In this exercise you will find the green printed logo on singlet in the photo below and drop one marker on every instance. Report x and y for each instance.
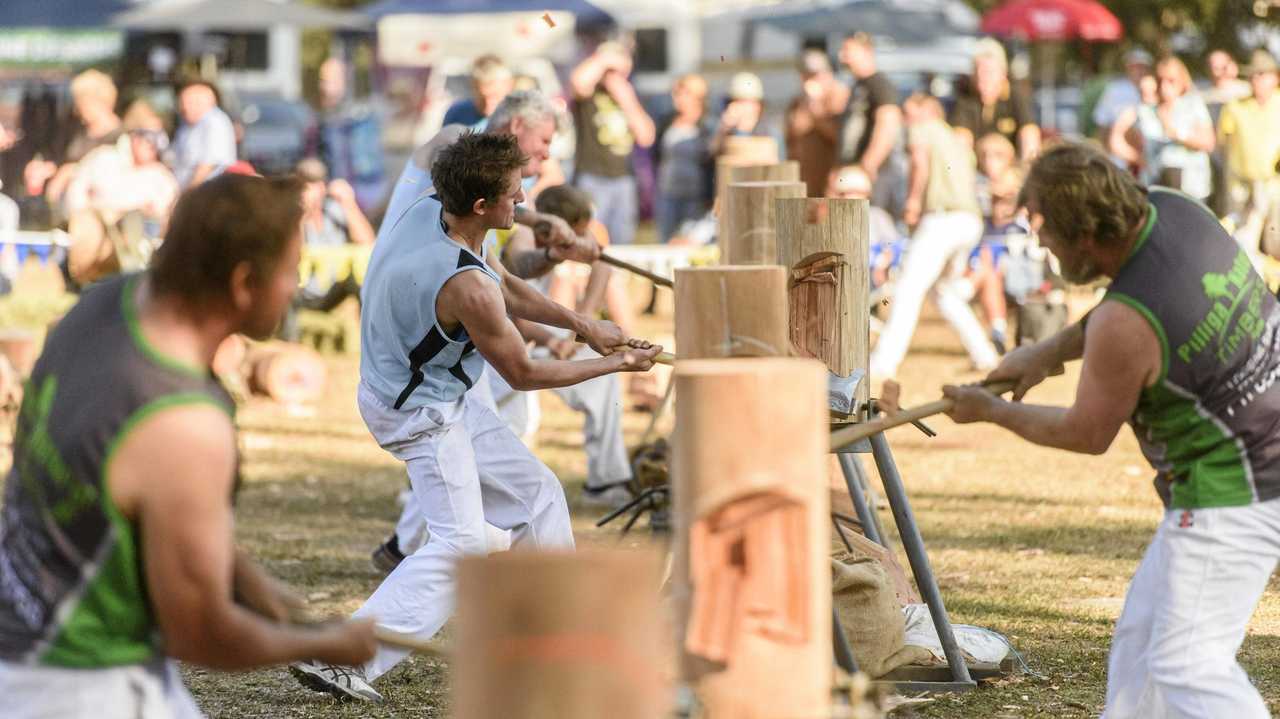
(38, 454)
(1227, 292)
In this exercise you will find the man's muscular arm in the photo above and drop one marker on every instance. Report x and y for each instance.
(524, 302)
(1121, 357)
(475, 302)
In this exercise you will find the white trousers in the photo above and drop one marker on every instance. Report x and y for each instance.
(598, 399)
(127, 692)
(940, 245)
(1174, 651)
(466, 469)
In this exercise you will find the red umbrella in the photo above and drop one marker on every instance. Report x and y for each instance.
(1034, 20)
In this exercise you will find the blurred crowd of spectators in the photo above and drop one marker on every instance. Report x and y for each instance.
(947, 178)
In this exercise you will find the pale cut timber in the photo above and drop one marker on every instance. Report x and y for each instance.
(751, 577)
(564, 635)
(742, 151)
(729, 311)
(288, 373)
(824, 245)
(788, 171)
(748, 231)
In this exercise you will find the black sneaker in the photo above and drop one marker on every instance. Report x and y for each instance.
(388, 555)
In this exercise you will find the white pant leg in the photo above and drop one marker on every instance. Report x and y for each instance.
(1128, 673)
(1213, 574)
(126, 692)
(418, 597)
(518, 409)
(952, 302)
(937, 239)
(520, 493)
(600, 402)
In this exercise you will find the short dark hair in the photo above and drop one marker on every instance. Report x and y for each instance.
(220, 223)
(1081, 192)
(475, 167)
(566, 202)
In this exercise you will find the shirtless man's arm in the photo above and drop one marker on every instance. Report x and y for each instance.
(172, 476)
(478, 304)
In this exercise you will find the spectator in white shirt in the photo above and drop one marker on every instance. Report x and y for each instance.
(206, 142)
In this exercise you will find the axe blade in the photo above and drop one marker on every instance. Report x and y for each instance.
(842, 392)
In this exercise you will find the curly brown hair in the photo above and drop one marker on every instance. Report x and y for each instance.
(220, 223)
(475, 166)
(1082, 193)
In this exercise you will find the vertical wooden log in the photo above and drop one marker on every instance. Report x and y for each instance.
(731, 312)
(748, 235)
(560, 636)
(824, 244)
(740, 151)
(788, 171)
(752, 583)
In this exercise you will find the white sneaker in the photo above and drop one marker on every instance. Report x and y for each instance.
(341, 682)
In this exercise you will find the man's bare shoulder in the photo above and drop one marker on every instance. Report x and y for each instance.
(468, 294)
(188, 447)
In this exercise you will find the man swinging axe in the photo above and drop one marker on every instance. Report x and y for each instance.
(1185, 346)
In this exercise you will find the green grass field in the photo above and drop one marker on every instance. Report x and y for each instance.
(1034, 543)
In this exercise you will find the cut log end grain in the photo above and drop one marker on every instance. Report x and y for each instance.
(287, 373)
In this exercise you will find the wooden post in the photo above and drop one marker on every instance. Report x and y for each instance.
(560, 636)
(824, 245)
(731, 312)
(788, 171)
(748, 235)
(751, 578)
(741, 151)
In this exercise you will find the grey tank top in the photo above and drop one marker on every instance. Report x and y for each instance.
(72, 588)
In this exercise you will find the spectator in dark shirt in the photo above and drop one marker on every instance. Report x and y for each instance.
(610, 122)
(993, 104)
(491, 80)
(349, 135)
(813, 121)
(871, 128)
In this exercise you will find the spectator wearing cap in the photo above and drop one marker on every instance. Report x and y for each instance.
(1174, 136)
(609, 122)
(93, 95)
(1122, 93)
(994, 104)
(871, 126)
(743, 114)
(1248, 131)
(491, 80)
(813, 121)
(683, 154)
(205, 144)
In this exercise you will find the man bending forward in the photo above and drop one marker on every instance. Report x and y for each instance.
(435, 309)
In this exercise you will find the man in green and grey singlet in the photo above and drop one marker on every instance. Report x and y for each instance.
(1185, 346)
(116, 551)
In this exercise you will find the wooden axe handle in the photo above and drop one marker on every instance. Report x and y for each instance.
(652, 277)
(413, 644)
(665, 358)
(853, 433)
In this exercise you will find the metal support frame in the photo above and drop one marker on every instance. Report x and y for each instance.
(855, 479)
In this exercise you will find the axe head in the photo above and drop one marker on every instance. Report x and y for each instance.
(842, 392)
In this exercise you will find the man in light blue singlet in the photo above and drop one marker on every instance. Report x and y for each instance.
(436, 307)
